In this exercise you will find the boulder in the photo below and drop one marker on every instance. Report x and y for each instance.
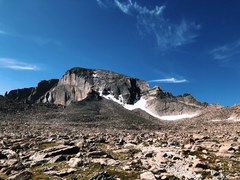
(103, 176)
(61, 173)
(24, 175)
(75, 162)
(147, 176)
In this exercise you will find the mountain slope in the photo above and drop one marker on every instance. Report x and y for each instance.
(32, 94)
(78, 83)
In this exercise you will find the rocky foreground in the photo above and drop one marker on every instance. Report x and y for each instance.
(67, 151)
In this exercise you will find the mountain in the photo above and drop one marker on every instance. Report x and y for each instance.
(92, 121)
(32, 94)
(217, 113)
(78, 84)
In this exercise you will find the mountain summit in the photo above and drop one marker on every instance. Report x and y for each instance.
(78, 84)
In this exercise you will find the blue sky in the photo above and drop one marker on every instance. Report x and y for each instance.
(183, 46)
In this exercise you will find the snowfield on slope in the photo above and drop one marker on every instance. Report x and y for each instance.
(141, 104)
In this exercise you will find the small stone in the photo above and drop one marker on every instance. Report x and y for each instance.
(57, 159)
(126, 168)
(61, 173)
(75, 162)
(147, 176)
(129, 146)
(167, 176)
(97, 154)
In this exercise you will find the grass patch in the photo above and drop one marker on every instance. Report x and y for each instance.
(237, 154)
(118, 156)
(2, 176)
(86, 172)
(46, 145)
(38, 173)
(228, 165)
(95, 168)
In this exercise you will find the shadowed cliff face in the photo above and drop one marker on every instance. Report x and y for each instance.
(33, 94)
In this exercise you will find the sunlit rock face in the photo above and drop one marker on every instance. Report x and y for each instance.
(78, 83)
(164, 103)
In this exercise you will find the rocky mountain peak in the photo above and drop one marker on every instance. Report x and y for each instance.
(78, 84)
(156, 91)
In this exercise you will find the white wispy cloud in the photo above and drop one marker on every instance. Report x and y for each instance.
(130, 8)
(100, 3)
(226, 52)
(14, 64)
(169, 80)
(151, 22)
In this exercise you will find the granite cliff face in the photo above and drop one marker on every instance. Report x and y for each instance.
(78, 84)
(164, 103)
(33, 94)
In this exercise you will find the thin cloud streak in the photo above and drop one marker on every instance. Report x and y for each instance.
(13, 64)
(100, 3)
(151, 22)
(45, 41)
(226, 52)
(3, 32)
(169, 80)
(39, 40)
(130, 8)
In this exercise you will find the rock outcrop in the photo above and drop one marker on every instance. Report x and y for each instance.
(78, 83)
(33, 94)
(164, 103)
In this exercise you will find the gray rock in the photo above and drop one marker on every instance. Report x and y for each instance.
(54, 151)
(103, 176)
(9, 153)
(147, 176)
(75, 162)
(57, 159)
(61, 173)
(25, 175)
(97, 154)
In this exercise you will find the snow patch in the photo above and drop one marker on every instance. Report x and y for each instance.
(141, 104)
(233, 119)
(95, 75)
(216, 120)
(176, 117)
